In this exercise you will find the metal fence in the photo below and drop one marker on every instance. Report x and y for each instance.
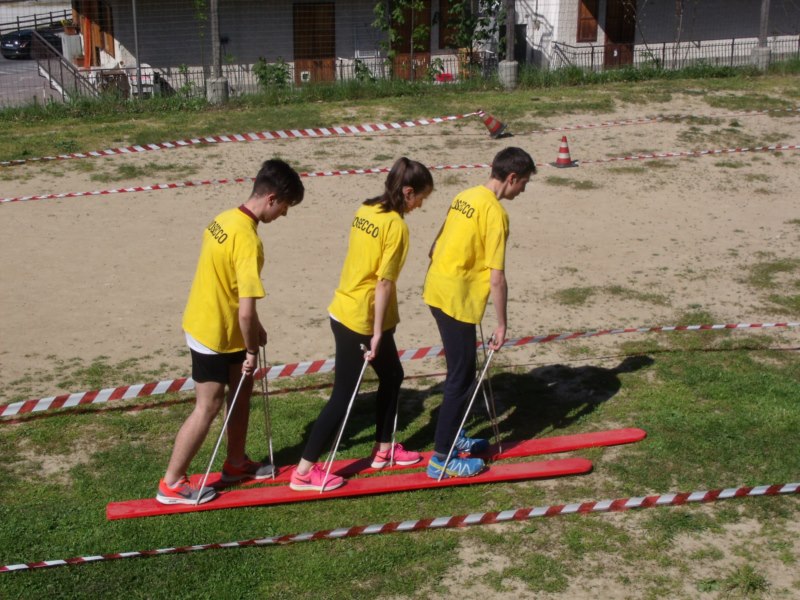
(242, 78)
(36, 21)
(677, 55)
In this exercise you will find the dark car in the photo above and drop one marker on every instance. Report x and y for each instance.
(19, 43)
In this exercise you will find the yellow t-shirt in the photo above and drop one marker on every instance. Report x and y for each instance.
(471, 243)
(377, 250)
(229, 268)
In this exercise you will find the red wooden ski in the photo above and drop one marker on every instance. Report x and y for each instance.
(400, 482)
(520, 449)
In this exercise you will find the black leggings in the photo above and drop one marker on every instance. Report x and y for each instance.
(348, 363)
(460, 349)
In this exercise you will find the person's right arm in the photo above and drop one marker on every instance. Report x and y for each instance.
(499, 292)
(252, 332)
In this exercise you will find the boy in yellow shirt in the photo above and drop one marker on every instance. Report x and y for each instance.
(223, 330)
(467, 266)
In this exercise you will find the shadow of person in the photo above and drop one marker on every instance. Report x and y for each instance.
(550, 397)
(360, 427)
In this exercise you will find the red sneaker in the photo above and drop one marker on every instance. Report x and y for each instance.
(183, 492)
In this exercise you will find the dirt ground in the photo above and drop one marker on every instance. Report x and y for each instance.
(108, 276)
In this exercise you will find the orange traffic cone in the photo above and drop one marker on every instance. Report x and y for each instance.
(496, 128)
(564, 159)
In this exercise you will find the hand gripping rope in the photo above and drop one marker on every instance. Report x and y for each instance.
(332, 454)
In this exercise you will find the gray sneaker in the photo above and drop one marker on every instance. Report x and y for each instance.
(249, 470)
(183, 493)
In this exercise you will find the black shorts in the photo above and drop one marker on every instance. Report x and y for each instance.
(214, 367)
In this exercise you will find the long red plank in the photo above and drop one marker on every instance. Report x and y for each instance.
(401, 482)
(518, 449)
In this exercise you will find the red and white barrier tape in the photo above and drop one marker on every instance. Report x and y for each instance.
(185, 384)
(345, 130)
(376, 170)
(283, 134)
(485, 518)
(187, 184)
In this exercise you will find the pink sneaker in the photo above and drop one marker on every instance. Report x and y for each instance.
(402, 456)
(313, 480)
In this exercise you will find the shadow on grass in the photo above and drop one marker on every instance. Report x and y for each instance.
(546, 398)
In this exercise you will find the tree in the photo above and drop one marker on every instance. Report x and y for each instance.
(477, 22)
(391, 15)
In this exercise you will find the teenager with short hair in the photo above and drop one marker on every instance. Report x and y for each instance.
(223, 331)
(364, 311)
(467, 266)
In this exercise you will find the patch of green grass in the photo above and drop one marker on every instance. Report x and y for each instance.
(151, 169)
(632, 170)
(729, 164)
(540, 573)
(629, 294)
(574, 296)
(791, 303)
(656, 165)
(757, 177)
(745, 582)
(579, 295)
(762, 275)
(575, 184)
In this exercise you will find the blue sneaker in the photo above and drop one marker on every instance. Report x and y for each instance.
(456, 467)
(470, 445)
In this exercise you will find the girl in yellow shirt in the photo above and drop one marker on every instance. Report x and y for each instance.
(364, 311)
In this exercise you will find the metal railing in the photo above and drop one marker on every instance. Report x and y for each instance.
(676, 55)
(191, 81)
(61, 75)
(36, 21)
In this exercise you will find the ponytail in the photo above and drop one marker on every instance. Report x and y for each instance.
(404, 173)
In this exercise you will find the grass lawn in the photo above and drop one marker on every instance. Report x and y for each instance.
(719, 412)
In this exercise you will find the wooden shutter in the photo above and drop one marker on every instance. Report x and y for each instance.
(448, 25)
(587, 21)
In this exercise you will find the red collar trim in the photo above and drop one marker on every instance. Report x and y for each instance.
(248, 212)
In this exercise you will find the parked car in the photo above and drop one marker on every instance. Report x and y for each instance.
(18, 44)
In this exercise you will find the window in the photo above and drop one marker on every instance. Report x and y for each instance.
(587, 20)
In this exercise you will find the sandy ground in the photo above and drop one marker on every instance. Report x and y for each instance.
(108, 276)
